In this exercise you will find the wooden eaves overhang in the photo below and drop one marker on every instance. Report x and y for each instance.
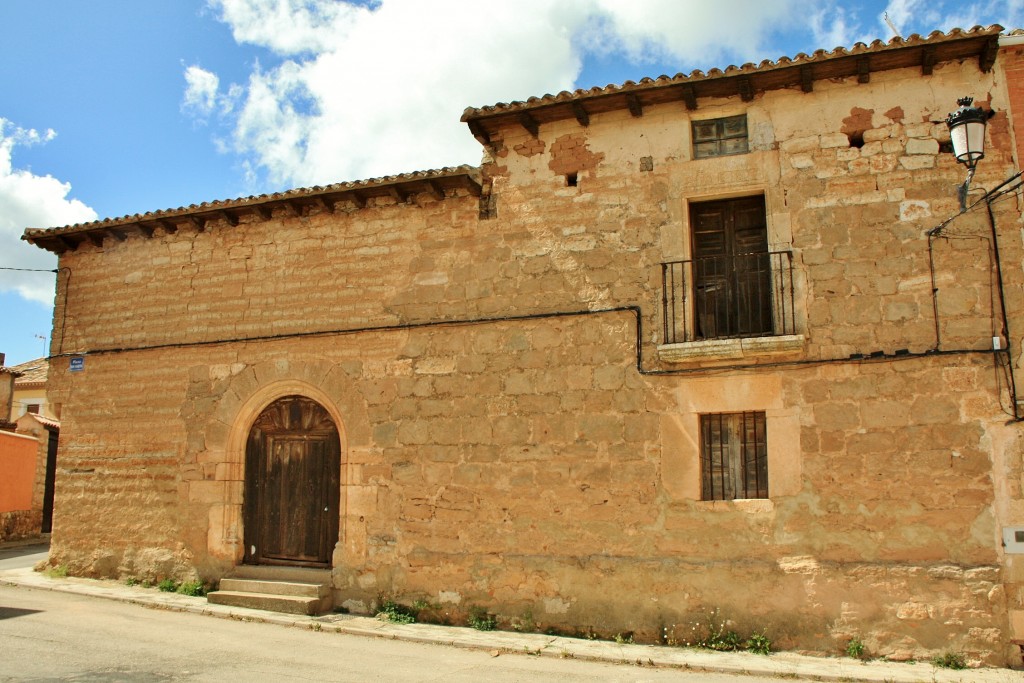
(438, 184)
(744, 81)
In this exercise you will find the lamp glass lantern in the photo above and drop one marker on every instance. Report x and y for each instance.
(967, 133)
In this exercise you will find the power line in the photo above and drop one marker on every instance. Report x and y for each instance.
(30, 270)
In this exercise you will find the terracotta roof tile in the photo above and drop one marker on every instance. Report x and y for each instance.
(468, 176)
(31, 372)
(45, 421)
(821, 63)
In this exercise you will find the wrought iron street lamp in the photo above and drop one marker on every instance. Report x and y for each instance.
(967, 132)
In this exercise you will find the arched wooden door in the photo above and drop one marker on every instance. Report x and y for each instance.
(292, 489)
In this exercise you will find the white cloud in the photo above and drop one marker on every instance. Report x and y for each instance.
(29, 200)
(200, 90)
(831, 28)
(652, 29)
(923, 16)
(361, 90)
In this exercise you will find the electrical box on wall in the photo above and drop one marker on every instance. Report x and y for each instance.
(1013, 539)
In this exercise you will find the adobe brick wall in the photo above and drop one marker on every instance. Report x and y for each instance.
(525, 465)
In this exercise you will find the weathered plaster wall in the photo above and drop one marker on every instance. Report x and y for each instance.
(18, 517)
(525, 465)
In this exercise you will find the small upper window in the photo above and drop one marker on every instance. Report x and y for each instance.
(720, 137)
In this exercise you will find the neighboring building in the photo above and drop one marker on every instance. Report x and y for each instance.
(46, 432)
(30, 389)
(7, 377)
(18, 519)
(681, 345)
(27, 466)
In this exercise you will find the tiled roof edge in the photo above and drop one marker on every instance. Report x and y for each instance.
(876, 46)
(298, 193)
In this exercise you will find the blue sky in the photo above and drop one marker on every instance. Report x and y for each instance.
(114, 107)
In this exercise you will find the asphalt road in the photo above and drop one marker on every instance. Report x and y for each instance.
(49, 636)
(24, 556)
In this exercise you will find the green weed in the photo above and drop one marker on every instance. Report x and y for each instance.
(759, 644)
(951, 660)
(168, 585)
(481, 620)
(525, 623)
(855, 648)
(395, 613)
(193, 588)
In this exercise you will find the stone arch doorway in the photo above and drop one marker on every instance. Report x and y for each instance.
(292, 485)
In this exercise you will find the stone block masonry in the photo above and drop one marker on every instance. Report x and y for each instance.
(515, 431)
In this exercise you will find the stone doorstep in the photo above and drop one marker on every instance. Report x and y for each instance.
(282, 573)
(290, 590)
(287, 604)
(266, 587)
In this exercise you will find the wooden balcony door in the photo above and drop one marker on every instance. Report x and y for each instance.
(732, 270)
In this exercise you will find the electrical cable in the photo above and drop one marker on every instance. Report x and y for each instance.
(636, 311)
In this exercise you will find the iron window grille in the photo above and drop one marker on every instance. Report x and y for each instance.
(733, 456)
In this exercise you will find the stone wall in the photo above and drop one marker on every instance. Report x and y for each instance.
(509, 442)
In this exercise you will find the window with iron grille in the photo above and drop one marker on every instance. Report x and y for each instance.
(733, 456)
(720, 137)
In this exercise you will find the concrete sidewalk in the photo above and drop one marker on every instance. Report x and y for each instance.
(781, 664)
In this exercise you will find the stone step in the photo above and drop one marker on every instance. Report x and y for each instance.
(274, 587)
(287, 604)
(265, 572)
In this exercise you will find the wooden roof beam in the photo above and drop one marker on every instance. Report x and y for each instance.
(263, 211)
(633, 103)
(400, 194)
(67, 242)
(479, 132)
(987, 58)
(807, 78)
(863, 69)
(357, 198)
(227, 218)
(324, 204)
(470, 185)
(746, 88)
(927, 60)
(689, 96)
(51, 244)
(527, 121)
(581, 114)
(434, 189)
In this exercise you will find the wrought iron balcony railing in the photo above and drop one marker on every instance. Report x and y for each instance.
(724, 297)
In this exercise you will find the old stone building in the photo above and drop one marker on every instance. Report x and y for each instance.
(696, 343)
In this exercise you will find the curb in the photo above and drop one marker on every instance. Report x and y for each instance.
(783, 664)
